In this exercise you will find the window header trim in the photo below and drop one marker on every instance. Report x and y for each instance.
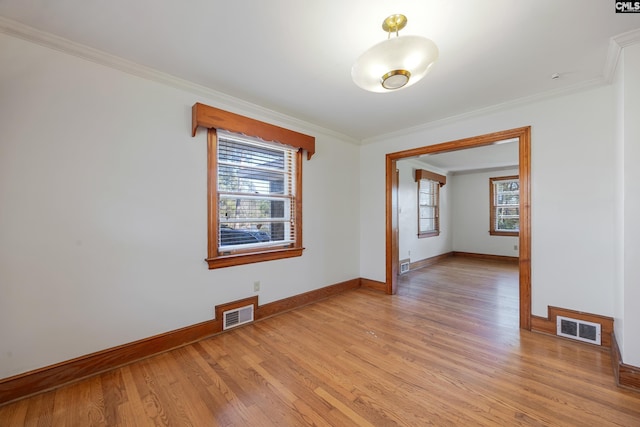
(425, 174)
(214, 118)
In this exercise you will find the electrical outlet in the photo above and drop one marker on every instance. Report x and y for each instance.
(256, 286)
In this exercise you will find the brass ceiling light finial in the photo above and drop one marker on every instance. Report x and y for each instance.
(394, 23)
(396, 62)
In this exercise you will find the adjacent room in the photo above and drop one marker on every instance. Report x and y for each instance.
(291, 213)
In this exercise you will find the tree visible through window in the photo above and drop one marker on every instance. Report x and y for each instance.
(504, 193)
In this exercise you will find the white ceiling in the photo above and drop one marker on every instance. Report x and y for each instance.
(294, 57)
(502, 155)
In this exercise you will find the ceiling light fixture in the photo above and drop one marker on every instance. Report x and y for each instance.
(394, 63)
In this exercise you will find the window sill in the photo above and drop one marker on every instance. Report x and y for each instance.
(431, 234)
(504, 233)
(250, 258)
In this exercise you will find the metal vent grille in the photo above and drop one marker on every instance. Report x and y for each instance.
(404, 267)
(237, 317)
(580, 330)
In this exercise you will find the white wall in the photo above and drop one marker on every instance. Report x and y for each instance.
(409, 245)
(572, 138)
(103, 207)
(464, 215)
(103, 212)
(631, 132)
(619, 269)
(470, 223)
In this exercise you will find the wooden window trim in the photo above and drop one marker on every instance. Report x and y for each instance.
(214, 119)
(425, 174)
(492, 211)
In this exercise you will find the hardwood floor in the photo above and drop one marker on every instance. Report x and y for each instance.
(445, 351)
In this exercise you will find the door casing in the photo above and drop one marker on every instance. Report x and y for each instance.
(523, 135)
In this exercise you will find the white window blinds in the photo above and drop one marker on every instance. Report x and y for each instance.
(428, 221)
(256, 193)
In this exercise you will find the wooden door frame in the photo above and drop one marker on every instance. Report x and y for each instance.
(523, 135)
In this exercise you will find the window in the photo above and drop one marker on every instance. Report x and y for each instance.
(256, 194)
(429, 184)
(428, 194)
(504, 194)
(254, 188)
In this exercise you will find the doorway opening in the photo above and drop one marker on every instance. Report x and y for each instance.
(523, 136)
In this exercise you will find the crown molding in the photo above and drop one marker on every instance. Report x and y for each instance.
(489, 109)
(223, 100)
(628, 38)
(616, 44)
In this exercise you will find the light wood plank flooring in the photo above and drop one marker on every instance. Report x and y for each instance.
(445, 351)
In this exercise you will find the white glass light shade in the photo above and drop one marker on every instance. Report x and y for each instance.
(393, 58)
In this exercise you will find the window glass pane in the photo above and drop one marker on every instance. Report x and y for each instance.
(428, 206)
(427, 224)
(506, 204)
(240, 234)
(255, 193)
(235, 209)
(508, 186)
(427, 212)
(244, 180)
(508, 199)
(427, 198)
(508, 224)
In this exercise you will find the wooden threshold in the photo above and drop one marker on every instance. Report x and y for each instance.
(438, 258)
(513, 259)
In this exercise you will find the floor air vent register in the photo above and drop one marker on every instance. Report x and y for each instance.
(404, 267)
(580, 330)
(237, 317)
